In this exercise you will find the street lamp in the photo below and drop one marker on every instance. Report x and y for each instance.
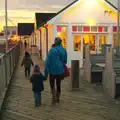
(6, 25)
(118, 20)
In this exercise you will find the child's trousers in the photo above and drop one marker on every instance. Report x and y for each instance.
(27, 72)
(37, 98)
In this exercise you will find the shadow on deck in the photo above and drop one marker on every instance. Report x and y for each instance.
(88, 104)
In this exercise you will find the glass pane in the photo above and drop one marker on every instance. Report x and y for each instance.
(77, 43)
(86, 29)
(100, 29)
(93, 29)
(79, 28)
(63, 35)
(90, 39)
(114, 28)
(105, 29)
(114, 40)
(74, 28)
(102, 41)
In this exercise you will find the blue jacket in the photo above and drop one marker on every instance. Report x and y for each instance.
(55, 61)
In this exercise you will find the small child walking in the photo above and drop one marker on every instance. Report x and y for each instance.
(37, 85)
(27, 62)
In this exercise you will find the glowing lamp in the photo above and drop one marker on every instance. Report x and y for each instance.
(91, 2)
(59, 28)
(114, 28)
(100, 29)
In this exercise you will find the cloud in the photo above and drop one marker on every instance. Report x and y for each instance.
(24, 10)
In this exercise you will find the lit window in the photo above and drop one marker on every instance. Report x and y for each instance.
(86, 29)
(114, 28)
(62, 34)
(77, 43)
(90, 39)
(105, 29)
(93, 29)
(74, 28)
(114, 40)
(59, 28)
(100, 29)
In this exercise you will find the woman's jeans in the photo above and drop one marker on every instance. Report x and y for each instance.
(37, 98)
(56, 78)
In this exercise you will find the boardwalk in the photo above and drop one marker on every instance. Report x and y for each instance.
(83, 105)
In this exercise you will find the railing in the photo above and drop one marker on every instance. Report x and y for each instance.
(8, 63)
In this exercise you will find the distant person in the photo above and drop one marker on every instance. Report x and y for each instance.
(37, 85)
(54, 66)
(25, 43)
(27, 62)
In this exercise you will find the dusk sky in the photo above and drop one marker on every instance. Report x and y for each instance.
(23, 10)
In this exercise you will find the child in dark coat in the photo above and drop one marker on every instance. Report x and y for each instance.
(27, 62)
(37, 84)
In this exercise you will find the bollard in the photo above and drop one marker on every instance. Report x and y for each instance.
(75, 74)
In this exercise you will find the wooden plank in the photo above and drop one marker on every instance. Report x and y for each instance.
(87, 104)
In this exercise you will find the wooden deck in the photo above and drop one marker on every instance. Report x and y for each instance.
(89, 104)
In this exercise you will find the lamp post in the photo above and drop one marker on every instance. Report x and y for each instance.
(118, 20)
(6, 25)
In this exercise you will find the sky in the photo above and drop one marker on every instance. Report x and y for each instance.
(24, 10)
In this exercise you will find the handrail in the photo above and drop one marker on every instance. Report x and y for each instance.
(8, 63)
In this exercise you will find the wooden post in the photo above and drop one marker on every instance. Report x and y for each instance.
(87, 65)
(75, 74)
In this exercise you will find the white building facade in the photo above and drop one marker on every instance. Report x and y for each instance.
(80, 23)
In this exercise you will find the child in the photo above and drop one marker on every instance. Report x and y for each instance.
(37, 84)
(27, 62)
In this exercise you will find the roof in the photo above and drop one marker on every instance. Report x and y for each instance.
(111, 4)
(42, 18)
(44, 22)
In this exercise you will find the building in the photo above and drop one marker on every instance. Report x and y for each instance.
(80, 23)
(12, 30)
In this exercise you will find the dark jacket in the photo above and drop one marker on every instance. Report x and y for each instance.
(27, 61)
(37, 82)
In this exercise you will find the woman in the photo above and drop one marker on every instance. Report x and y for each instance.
(54, 66)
